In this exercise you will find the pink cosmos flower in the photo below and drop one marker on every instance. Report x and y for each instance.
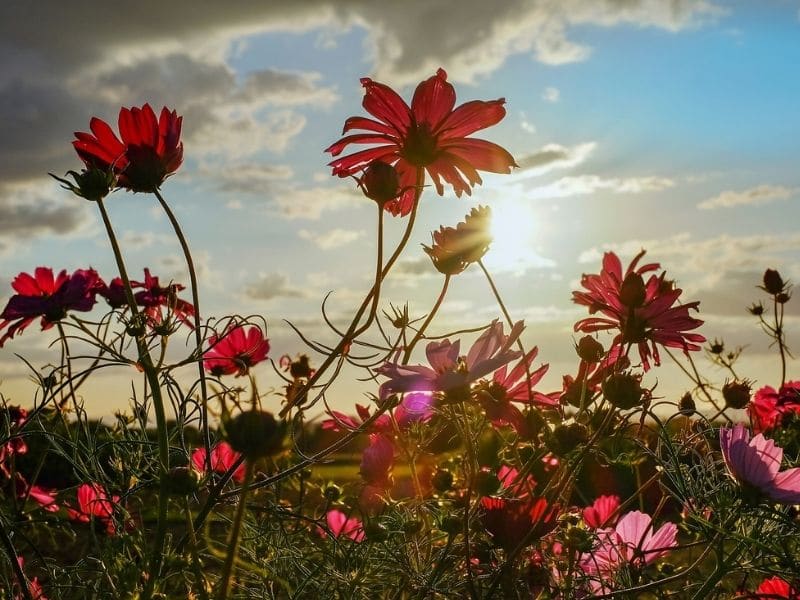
(515, 386)
(222, 458)
(633, 541)
(340, 525)
(416, 407)
(430, 134)
(235, 351)
(642, 311)
(757, 463)
(448, 370)
(768, 406)
(48, 297)
(510, 480)
(602, 512)
(94, 502)
(775, 587)
(150, 149)
(377, 460)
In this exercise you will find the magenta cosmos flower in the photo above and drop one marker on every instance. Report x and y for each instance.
(776, 587)
(340, 525)
(235, 351)
(94, 502)
(632, 541)
(150, 149)
(43, 295)
(642, 311)
(602, 512)
(448, 370)
(430, 134)
(757, 463)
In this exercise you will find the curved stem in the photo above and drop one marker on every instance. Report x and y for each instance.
(8, 546)
(151, 374)
(68, 363)
(198, 335)
(233, 544)
(302, 393)
(431, 314)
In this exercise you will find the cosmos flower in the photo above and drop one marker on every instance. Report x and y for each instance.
(632, 541)
(377, 460)
(430, 134)
(510, 521)
(602, 512)
(450, 372)
(756, 463)
(769, 406)
(455, 248)
(642, 311)
(48, 297)
(94, 502)
(416, 407)
(340, 525)
(153, 297)
(235, 351)
(775, 587)
(222, 458)
(150, 149)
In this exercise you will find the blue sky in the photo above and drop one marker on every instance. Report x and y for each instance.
(669, 126)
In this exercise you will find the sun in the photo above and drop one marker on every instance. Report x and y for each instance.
(514, 230)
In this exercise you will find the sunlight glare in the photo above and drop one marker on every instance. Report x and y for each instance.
(513, 229)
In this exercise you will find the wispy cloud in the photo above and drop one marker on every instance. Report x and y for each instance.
(761, 194)
(553, 156)
(334, 238)
(588, 184)
(551, 94)
(269, 286)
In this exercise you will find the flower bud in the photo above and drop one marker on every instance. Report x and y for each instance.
(452, 524)
(442, 480)
(578, 539)
(254, 434)
(756, 309)
(380, 182)
(589, 349)
(182, 481)
(773, 282)
(486, 482)
(92, 184)
(736, 394)
(686, 405)
(376, 531)
(332, 492)
(623, 390)
(716, 347)
(566, 438)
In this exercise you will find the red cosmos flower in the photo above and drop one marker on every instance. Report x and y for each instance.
(603, 512)
(222, 458)
(642, 310)
(775, 587)
(149, 152)
(510, 521)
(42, 295)
(768, 406)
(94, 503)
(235, 351)
(153, 296)
(429, 134)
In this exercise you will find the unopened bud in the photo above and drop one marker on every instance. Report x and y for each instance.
(380, 182)
(623, 390)
(773, 282)
(589, 349)
(254, 433)
(686, 405)
(736, 394)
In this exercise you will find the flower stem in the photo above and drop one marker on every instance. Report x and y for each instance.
(198, 335)
(233, 543)
(431, 314)
(8, 546)
(151, 373)
(201, 582)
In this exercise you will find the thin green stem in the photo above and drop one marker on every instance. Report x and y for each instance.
(421, 331)
(8, 546)
(198, 334)
(347, 338)
(151, 374)
(198, 570)
(233, 543)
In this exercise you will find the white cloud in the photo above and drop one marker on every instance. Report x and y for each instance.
(754, 196)
(551, 94)
(269, 286)
(588, 184)
(310, 203)
(553, 156)
(526, 124)
(331, 239)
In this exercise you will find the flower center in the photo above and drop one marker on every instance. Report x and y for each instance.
(419, 147)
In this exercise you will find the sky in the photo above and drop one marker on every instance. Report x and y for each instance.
(669, 126)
